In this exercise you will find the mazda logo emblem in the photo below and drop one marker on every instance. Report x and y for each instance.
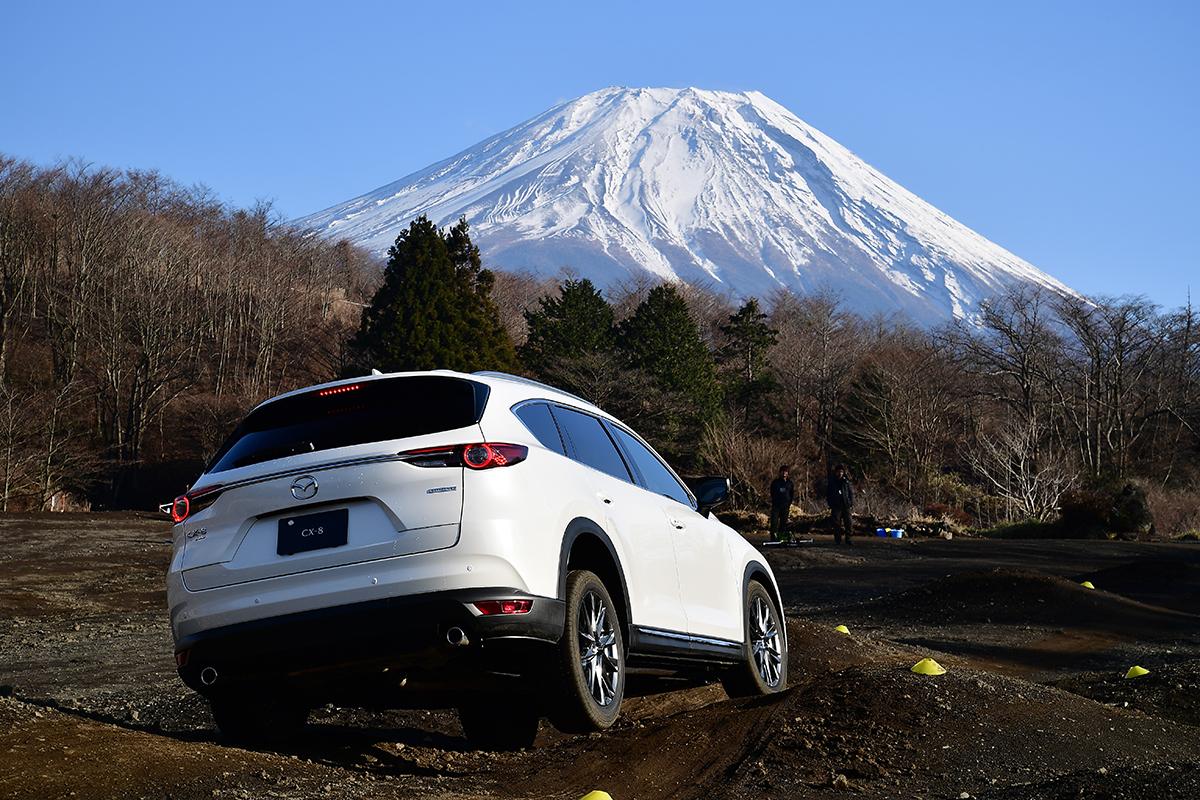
(304, 487)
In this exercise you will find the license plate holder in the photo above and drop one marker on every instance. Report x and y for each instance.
(318, 531)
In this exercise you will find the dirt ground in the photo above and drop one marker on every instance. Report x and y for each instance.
(1034, 703)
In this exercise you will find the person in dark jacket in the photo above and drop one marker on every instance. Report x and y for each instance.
(782, 494)
(840, 496)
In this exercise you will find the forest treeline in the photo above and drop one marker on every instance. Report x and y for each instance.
(140, 319)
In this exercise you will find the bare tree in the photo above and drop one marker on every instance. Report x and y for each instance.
(908, 408)
(1117, 386)
(1011, 461)
(750, 459)
(815, 358)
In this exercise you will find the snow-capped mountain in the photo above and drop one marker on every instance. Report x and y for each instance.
(724, 188)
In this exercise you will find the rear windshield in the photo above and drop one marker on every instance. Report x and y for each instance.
(341, 416)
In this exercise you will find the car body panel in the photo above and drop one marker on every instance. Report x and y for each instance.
(708, 578)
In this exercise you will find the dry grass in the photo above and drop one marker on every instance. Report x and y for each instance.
(1176, 511)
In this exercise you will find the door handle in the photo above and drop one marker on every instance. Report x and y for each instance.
(603, 497)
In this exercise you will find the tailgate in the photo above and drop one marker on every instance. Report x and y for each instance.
(390, 507)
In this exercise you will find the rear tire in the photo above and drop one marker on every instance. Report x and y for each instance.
(254, 718)
(763, 669)
(499, 724)
(591, 658)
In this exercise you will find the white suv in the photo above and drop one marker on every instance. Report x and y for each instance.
(438, 539)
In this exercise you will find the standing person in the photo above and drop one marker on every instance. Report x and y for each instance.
(782, 494)
(840, 496)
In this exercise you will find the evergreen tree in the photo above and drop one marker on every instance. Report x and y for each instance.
(661, 338)
(565, 328)
(748, 382)
(433, 310)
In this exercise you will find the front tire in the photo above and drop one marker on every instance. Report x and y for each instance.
(764, 667)
(591, 658)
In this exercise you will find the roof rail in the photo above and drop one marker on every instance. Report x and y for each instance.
(529, 382)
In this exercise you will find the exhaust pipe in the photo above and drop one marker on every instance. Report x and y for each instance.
(457, 637)
(208, 676)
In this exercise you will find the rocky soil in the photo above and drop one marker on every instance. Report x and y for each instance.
(1033, 705)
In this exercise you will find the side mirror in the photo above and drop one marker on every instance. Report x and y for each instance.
(710, 492)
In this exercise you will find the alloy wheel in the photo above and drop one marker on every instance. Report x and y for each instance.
(600, 656)
(765, 643)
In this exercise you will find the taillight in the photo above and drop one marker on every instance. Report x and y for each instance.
(434, 456)
(482, 455)
(489, 607)
(185, 505)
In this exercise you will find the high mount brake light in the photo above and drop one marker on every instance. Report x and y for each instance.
(481, 455)
(489, 607)
(185, 505)
(352, 387)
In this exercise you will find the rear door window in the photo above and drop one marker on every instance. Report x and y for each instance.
(657, 477)
(589, 442)
(538, 419)
(350, 414)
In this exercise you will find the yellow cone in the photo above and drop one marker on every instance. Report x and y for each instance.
(927, 666)
(842, 629)
(1136, 672)
(1087, 585)
(597, 795)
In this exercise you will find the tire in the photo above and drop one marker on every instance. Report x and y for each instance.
(764, 667)
(258, 718)
(591, 673)
(499, 724)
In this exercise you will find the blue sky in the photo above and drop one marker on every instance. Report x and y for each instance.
(1068, 132)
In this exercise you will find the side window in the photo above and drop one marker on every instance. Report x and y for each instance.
(537, 418)
(658, 478)
(590, 443)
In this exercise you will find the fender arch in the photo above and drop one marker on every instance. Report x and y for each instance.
(584, 528)
(758, 570)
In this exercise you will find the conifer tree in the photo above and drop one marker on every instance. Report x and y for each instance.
(747, 379)
(577, 323)
(661, 338)
(433, 310)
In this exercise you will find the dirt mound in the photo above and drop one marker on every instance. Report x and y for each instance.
(813, 649)
(818, 649)
(874, 728)
(1171, 691)
(1019, 597)
(61, 755)
(1171, 583)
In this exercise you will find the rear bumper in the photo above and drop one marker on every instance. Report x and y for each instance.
(397, 636)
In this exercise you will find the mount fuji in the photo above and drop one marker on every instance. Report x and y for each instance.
(726, 189)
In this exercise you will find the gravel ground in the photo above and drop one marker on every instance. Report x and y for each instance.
(1034, 704)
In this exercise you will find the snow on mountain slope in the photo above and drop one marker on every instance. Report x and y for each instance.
(727, 189)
